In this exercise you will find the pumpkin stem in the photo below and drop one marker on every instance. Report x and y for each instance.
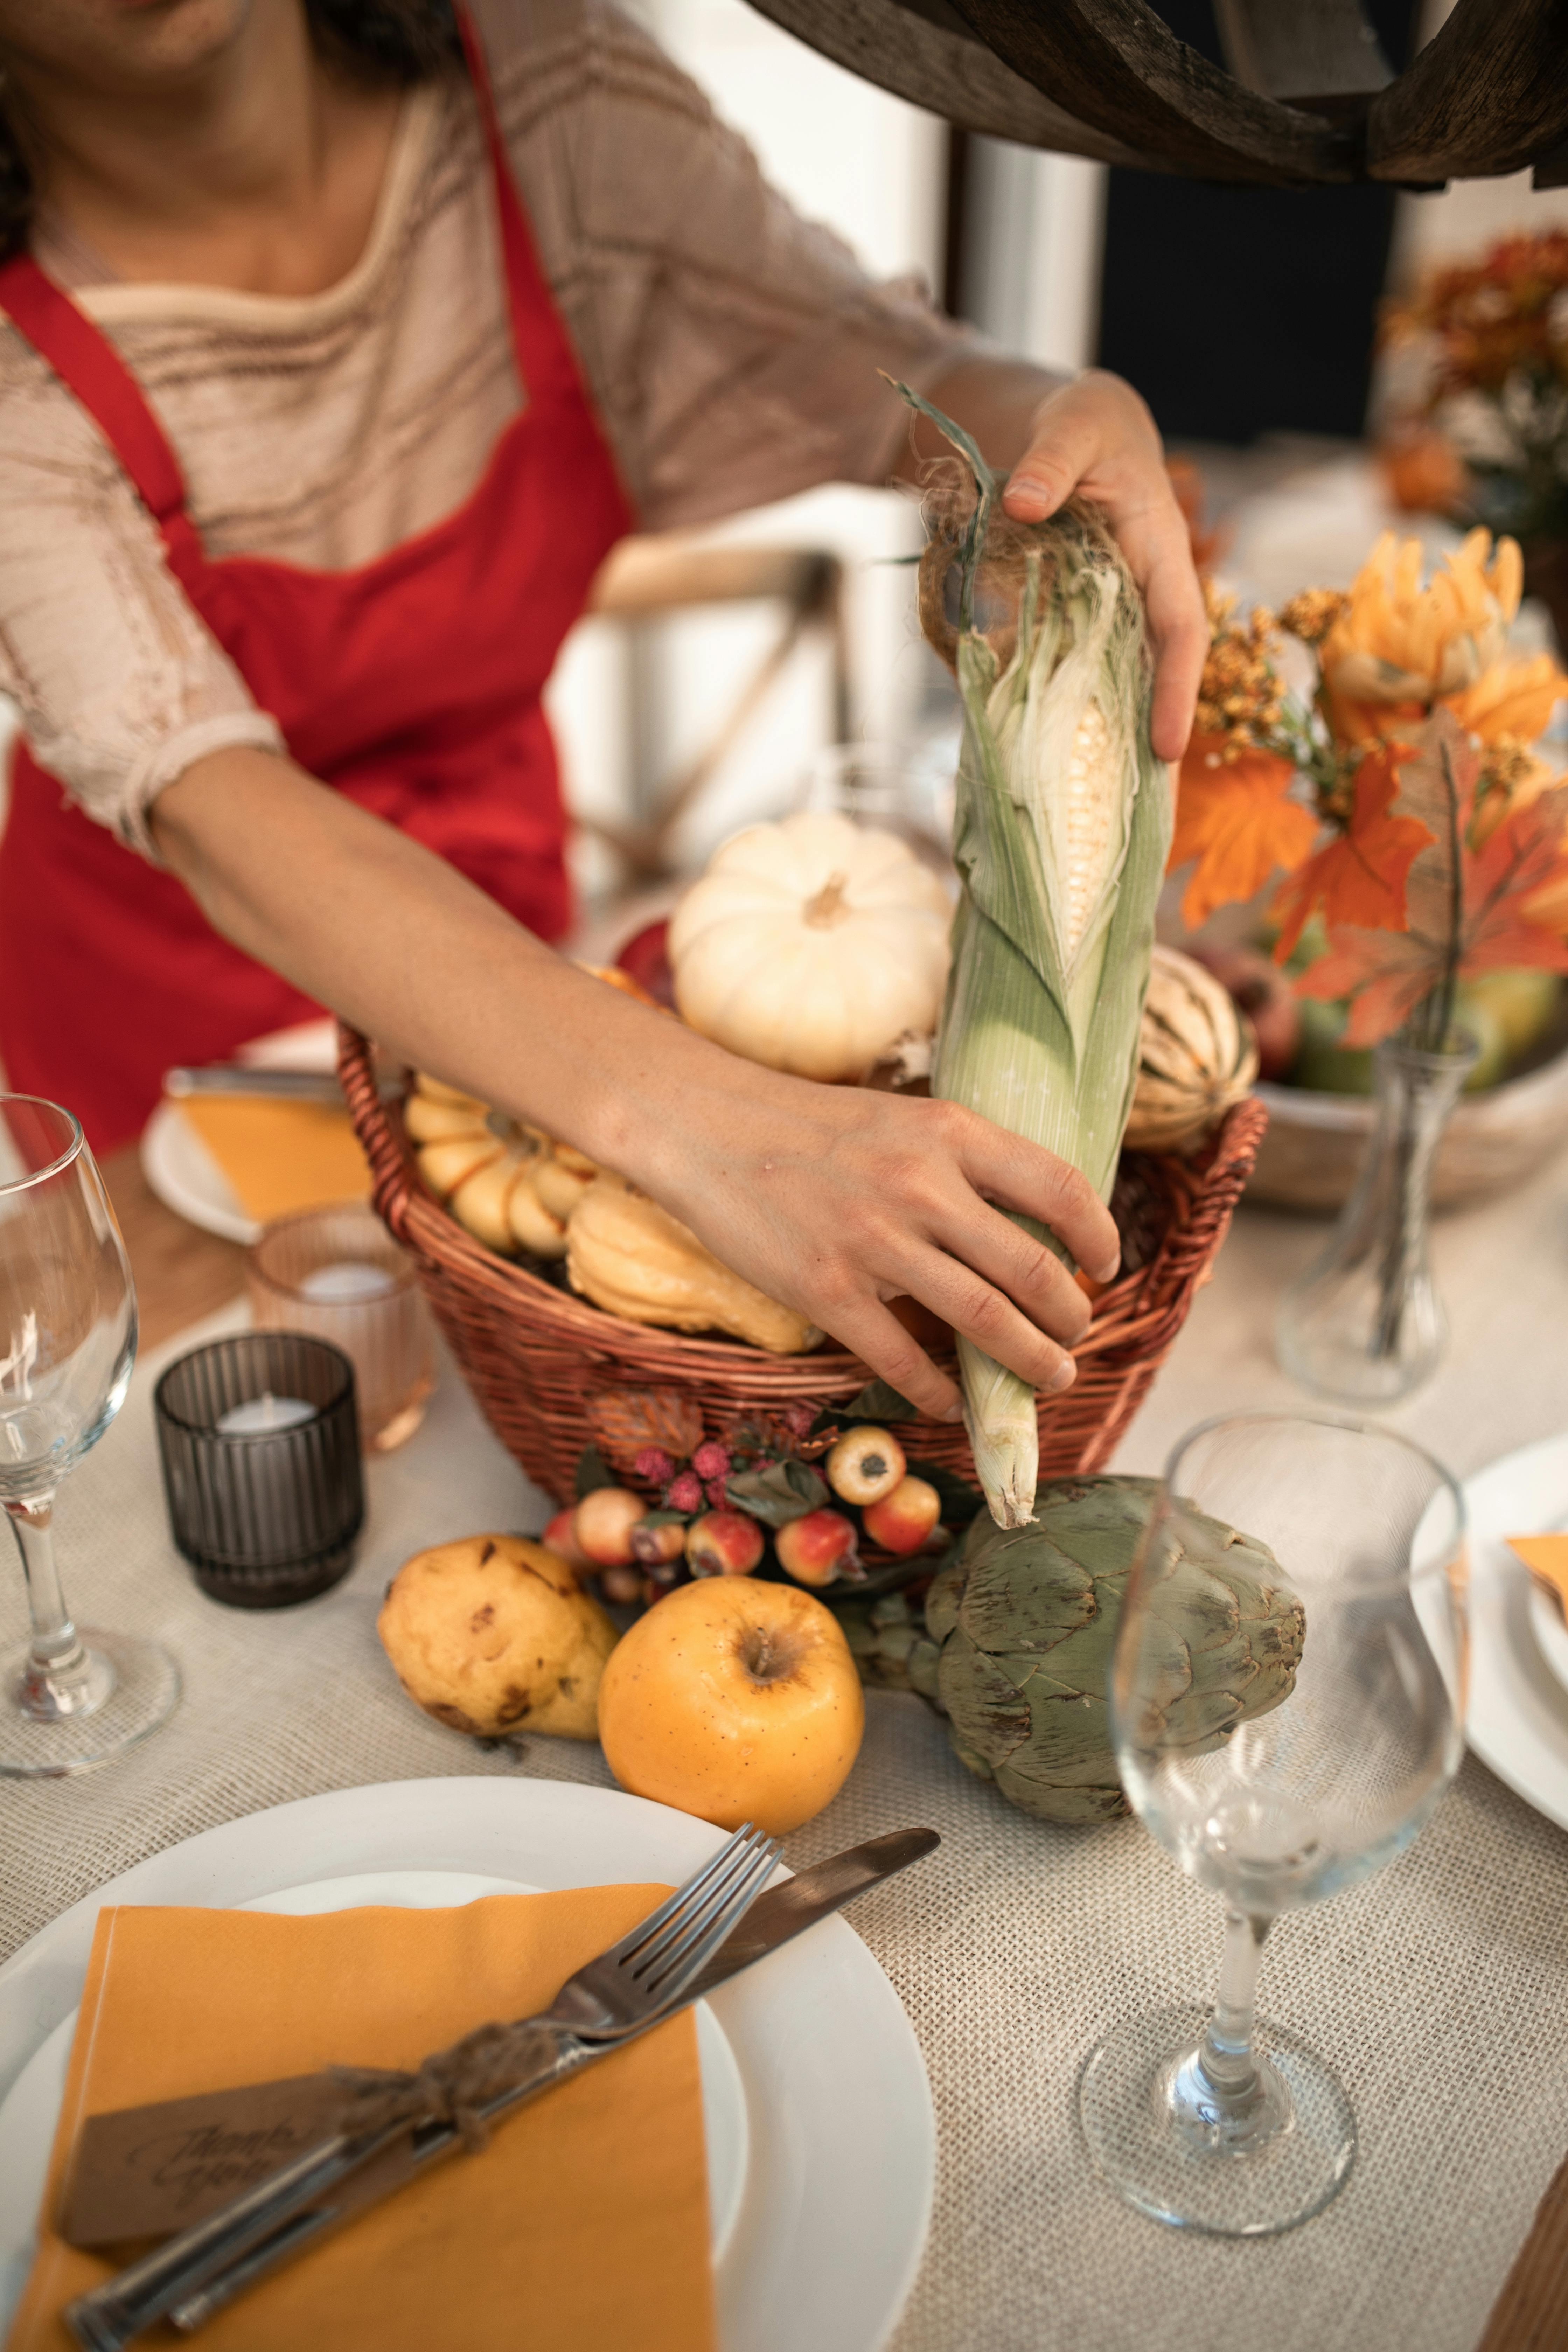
(828, 908)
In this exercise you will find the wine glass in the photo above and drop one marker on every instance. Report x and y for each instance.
(1343, 1613)
(68, 1340)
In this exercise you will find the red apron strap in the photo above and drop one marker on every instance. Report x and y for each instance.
(544, 357)
(90, 367)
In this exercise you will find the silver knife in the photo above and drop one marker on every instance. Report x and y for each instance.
(190, 2278)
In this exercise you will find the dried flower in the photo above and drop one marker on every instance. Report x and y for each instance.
(712, 1460)
(1397, 645)
(654, 1465)
(626, 1420)
(714, 1490)
(1239, 699)
(684, 1493)
(1312, 614)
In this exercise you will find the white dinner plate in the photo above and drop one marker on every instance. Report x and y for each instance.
(1517, 1720)
(821, 2137)
(177, 1164)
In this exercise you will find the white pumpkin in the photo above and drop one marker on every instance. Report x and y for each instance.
(811, 945)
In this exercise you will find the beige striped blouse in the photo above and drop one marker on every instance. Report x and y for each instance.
(732, 347)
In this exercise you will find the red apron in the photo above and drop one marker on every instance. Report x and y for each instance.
(412, 684)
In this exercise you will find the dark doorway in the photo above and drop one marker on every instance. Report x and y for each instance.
(1238, 311)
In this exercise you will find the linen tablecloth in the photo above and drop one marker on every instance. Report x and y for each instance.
(1439, 1990)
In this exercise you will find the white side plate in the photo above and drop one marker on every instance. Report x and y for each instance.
(1517, 1720)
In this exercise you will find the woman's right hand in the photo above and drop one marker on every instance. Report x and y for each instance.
(836, 1198)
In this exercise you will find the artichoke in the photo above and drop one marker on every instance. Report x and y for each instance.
(1024, 1621)
(888, 1643)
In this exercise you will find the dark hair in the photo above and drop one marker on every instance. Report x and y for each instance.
(383, 42)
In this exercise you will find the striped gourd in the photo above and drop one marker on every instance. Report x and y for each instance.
(1061, 830)
(1195, 1056)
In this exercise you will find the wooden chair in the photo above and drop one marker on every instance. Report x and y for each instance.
(646, 581)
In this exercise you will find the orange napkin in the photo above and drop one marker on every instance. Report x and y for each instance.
(279, 1156)
(1546, 1556)
(582, 2227)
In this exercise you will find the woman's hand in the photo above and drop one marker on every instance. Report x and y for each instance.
(1095, 435)
(837, 1199)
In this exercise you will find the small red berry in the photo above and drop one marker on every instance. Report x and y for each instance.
(655, 1465)
(714, 1490)
(712, 1460)
(684, 1493)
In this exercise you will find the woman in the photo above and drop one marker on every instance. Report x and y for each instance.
(339, 354)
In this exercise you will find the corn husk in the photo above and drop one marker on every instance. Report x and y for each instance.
(1061, 831)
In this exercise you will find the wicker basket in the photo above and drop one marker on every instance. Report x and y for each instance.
(541, 1361)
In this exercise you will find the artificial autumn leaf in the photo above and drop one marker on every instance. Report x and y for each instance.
(1386, 975)
(1465, 912)
(1513, 887)
(1360, 876)
(1236, 817)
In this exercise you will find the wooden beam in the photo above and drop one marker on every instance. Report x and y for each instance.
(916, 54)
(1318, 53)
(1117, 66)
(1487, 94)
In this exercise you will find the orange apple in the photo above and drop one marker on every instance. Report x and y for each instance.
(734, 1700)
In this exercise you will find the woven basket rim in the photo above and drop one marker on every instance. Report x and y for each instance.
(1135, 1309)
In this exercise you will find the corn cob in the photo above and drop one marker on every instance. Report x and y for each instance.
(1061, 831)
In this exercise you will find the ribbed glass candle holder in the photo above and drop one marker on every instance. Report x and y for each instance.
(259, 1441)
(338, 1273)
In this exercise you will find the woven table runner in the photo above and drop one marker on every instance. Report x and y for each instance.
(1438, 1990)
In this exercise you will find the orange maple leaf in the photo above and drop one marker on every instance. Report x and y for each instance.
(1360, 876)
(1234, 817)
(1465, 910)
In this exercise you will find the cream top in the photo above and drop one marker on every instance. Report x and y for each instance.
(732, 349)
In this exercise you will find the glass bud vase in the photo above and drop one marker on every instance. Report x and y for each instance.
(1363, 1324)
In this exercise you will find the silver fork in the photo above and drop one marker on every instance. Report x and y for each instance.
(649, 1969)
(617, 1994)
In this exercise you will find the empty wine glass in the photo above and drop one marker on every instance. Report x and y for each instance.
(69, 1700)
(1203, 2118)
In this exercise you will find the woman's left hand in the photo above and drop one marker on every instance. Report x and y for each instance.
(1096, 436)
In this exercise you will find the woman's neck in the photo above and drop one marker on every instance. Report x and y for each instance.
(261, 170)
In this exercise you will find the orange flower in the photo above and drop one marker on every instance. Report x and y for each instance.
(1236, 817)
(1402, 645)
(1511, 699)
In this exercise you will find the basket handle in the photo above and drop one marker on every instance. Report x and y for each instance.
(392, 1184)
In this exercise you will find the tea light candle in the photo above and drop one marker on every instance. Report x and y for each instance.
(262, 1416)
(346, 1283)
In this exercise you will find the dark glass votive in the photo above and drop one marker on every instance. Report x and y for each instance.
(259, 1440)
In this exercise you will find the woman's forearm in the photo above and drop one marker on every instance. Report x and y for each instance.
(395, 941)
(833, 1199)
